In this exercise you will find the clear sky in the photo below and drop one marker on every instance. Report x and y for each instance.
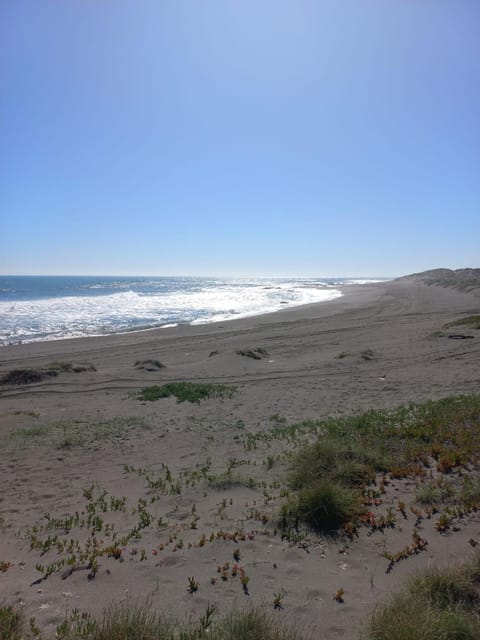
(239, 137)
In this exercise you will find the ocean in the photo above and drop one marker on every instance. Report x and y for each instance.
(38, 308)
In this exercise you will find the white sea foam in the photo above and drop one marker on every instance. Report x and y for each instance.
(365, 281)
(74, 316)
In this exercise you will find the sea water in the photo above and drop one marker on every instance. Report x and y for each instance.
(37, 308)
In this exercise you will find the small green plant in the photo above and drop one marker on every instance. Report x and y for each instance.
(193, 585)
(278, 599)
(205, 621)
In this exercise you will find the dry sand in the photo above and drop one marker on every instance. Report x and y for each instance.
(62, 435)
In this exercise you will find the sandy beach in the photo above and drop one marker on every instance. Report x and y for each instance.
(208, 479)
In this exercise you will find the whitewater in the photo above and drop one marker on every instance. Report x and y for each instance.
(39, 308)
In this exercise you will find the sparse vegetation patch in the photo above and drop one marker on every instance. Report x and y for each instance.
(186, 391)
(348, 453)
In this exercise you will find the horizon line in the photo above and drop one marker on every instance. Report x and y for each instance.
(178, 275)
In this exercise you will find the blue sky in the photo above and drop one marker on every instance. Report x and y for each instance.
(243, 137)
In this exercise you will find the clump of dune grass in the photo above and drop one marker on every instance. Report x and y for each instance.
(434, 492)
(139, 623)
(186, 391)
(324, 505)
(252, 624)
(343, 460)
(119, 622)
(434, 605)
